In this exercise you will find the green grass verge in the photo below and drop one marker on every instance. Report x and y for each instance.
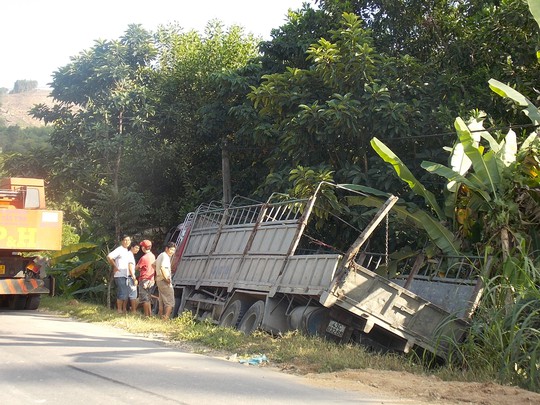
(292, 351)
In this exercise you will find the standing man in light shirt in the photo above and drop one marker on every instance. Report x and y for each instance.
(162, 267)
(119, 259)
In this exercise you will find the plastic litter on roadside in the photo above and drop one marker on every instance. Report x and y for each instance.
(254, 360)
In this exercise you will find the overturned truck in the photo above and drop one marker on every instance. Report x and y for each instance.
(241, 266)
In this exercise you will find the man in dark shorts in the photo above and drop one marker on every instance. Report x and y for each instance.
(146, 276)
(119, 259)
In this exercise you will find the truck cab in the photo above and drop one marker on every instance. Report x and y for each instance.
(22, 193)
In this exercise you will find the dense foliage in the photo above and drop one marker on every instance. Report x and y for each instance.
(14, 139)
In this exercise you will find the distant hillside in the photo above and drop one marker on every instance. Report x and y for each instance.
(14, 107)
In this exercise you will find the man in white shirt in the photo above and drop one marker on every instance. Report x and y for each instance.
(119, 259)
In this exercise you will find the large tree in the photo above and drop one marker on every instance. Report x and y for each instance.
(466, 42)
(324, 116)
(192, 124)
(101, 114)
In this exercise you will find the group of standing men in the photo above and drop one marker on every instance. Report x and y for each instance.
(135, 280)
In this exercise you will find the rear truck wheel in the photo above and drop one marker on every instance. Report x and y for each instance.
(252, 318)
(17, 302)
(311, 320)
(32, 302)
(232, 315)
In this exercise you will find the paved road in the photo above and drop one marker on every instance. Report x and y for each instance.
(49, 360)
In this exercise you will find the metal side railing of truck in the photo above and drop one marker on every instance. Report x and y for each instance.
(244, 266)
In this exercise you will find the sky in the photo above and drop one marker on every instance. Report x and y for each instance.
(39, 36)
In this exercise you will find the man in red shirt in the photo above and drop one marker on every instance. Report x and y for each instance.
(146, 276)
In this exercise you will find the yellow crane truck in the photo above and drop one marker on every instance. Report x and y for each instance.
(26, 228)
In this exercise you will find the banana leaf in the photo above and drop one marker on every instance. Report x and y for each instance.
(506, 91)
(80, 269)
(485, 166)
(460, 163)
(71, 251)
(478, 131)
(439, 235)
(451, 175)
(405, 174)
(534, 7)
(509, 148)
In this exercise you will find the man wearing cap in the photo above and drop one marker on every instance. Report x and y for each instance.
(146, 276)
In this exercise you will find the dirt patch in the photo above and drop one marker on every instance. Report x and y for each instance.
(14, 107)
(422, 390)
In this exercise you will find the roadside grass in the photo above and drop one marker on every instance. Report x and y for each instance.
(292, 351)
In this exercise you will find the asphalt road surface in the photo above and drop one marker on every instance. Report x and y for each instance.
(45, 359)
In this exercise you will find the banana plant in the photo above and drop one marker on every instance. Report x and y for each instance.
(491, 181)
(406, 175)
(409, 213)
(78, 269)
(483, 185)
(434, 226)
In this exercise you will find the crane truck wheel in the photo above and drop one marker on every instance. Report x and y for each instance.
(233, 314)
(17, 301)
(252, 318)
(32, 302)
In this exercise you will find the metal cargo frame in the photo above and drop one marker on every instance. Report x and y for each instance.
(252, 247)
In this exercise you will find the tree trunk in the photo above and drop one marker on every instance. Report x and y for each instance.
(226, 174)
(505, 247)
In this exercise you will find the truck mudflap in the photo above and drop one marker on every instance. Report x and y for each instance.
(400, 312)
(22, 286)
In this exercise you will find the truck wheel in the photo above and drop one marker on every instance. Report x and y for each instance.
(17, 302)
(32, 302)
(252, 319)
(233, 313)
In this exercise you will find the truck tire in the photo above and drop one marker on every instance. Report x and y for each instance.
(252, 318)
(17, 302)
(230, 318)
(310, 320)
(32, 302)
